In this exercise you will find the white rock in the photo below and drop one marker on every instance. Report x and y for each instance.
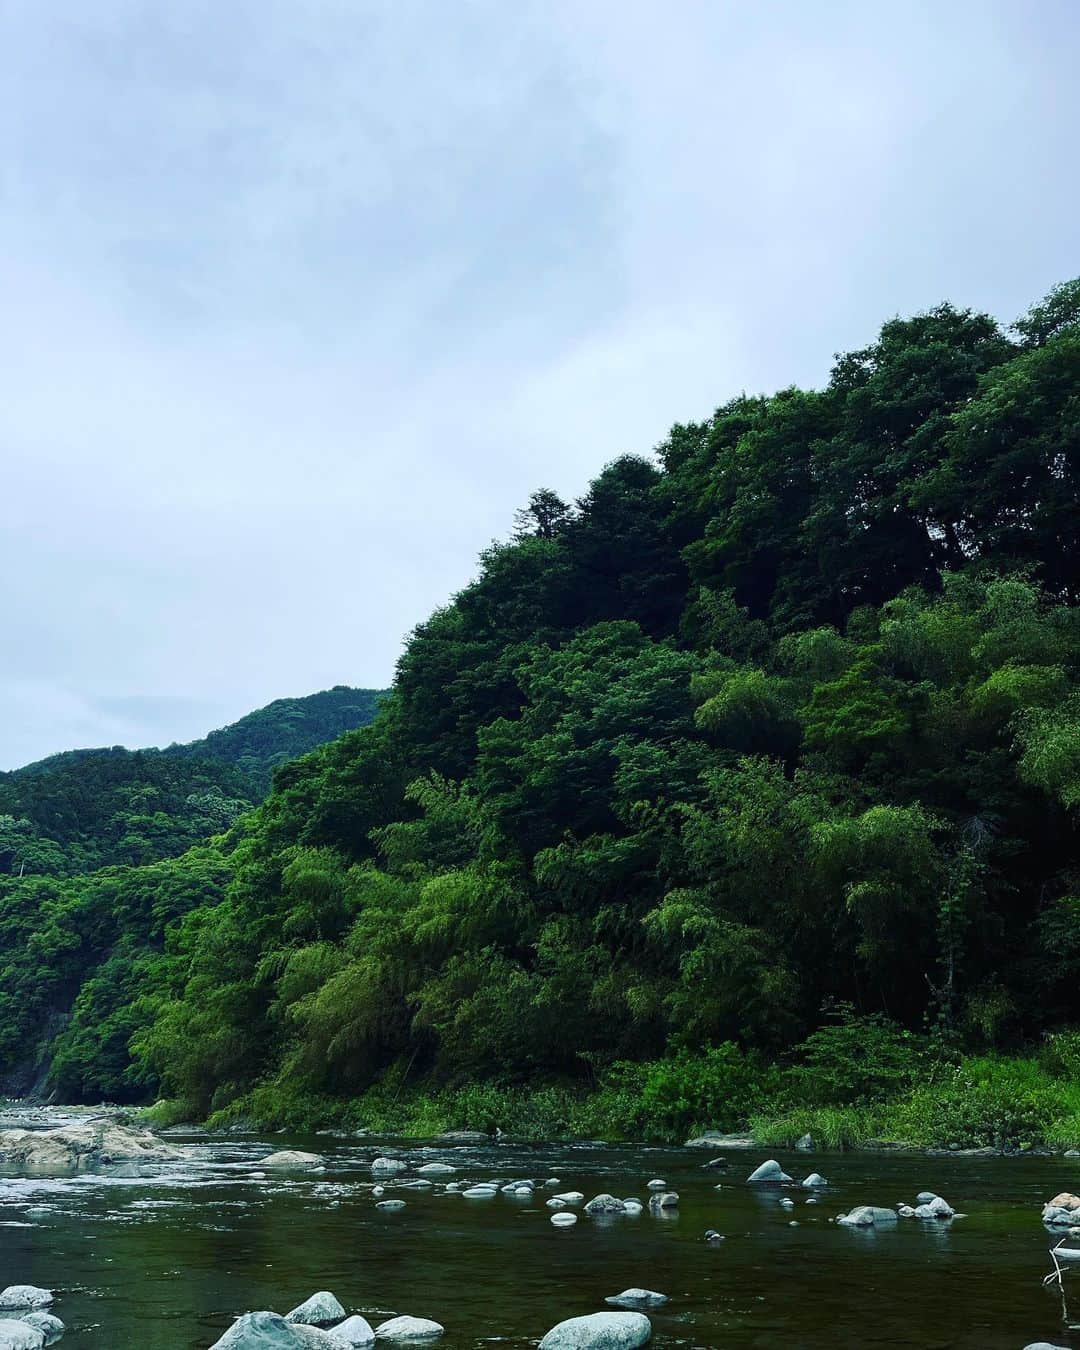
(20, 1336)
(317, 1311)
(770, 1171)
(663, 1200)
(388, 1167)
(633, 1207)
(355, 1331)
(553, 1181)
(813, 1181)
(289, 1159)
(605, 1204)
(564, 1219)
(51, 1327)
(571, 1197)
(390, 1204)
(657, 1184)
(638, 1298)
(24, 1296)
(555, 1203)
(268, 1331)
(480, 1192)
(435, 1169)
(599, 1331)
(408, 1329)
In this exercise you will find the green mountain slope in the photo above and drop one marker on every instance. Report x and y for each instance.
(782, 721)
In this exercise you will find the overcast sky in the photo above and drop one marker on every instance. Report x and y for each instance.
(303, 297)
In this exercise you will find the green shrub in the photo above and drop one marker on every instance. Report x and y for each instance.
(1004, 1103)
(832, 1127)
(855, 1059)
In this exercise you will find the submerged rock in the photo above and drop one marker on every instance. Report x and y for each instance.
(866, 1216)
(935, 1209)
(638, 1298)
(317, 1311)
(269, 1331)
(435, 1169)
(564, 1219)
(287, 1159)
(768, 1172)
(20, 1336)
(483, 1192)
(599, 1331)
(663, 1200)
(408, 1329)
(605, 1204)
(24, 1296)
(390, 1204)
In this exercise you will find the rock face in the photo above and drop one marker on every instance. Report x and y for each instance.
(605, 1204)
(291, 1159)
(866, 1216)
(770, 1171)
(50, 1327)
(320, 1310)
(20, 1336)
(19, 1296)
(355, 1331)
(600, 1331)
(88, 1144)
(268, 1331)
(408, 1329)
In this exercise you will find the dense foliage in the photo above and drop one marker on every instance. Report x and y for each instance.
(100, 852)
(784, 721)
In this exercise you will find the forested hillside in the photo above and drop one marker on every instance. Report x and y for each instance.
(90, 873)
(763, 756)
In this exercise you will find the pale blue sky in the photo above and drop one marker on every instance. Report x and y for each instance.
(303, 299)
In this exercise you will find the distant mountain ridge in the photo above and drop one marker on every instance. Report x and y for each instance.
(82, 809)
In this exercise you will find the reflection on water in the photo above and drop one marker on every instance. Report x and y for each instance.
(165, 1260)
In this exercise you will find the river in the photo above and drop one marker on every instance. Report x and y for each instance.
(166, 1259)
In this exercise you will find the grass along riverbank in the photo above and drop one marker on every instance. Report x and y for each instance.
(858, 1082)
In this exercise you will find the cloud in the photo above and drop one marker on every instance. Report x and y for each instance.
(303, 301)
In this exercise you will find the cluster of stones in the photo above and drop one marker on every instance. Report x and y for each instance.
(25, 1322)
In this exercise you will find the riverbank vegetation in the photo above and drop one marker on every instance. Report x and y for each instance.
(742, 789)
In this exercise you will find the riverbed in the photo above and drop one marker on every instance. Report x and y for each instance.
(165, 1258)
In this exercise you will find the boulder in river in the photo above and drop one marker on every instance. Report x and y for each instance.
(409, 1329)
(435, 1169)
(320, 1310)
(657, 1184)
(571, 1197)
(269, 1331)
(924, 1197)
(50, 1327)
(564, 1219)
(292, 1160)
(28, 1296)
(390, 1205)
(868, 1216)
(637, 1298)
(600, 1331)
(814, 1180)
(20, 1336)
(88, 1144)
(605, 1204)
(662, 1200)
(768, 1172)
(388, 1167)
(355, 1331)
(935, 1209)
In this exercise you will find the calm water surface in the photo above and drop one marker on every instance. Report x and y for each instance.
(165, 1260)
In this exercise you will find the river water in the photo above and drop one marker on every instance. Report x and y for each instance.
(166, 1259)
